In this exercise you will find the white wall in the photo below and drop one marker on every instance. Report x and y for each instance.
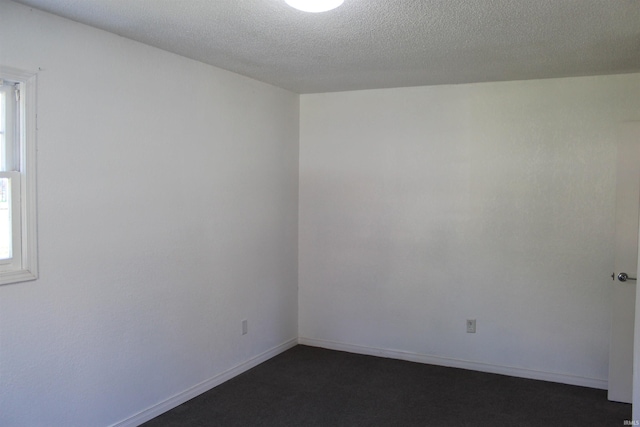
(167, 213)
(423, 207)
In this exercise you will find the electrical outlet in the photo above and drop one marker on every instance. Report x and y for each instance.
(245, 327)
(471, 326)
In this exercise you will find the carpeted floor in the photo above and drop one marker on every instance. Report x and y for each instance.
(307, 386)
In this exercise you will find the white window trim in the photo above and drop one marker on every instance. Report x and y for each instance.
(28, 268)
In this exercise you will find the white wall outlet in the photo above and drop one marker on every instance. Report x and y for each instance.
(245, 327)
(471, 326)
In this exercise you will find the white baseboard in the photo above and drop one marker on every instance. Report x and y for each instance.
(180, 398)
(458, 363)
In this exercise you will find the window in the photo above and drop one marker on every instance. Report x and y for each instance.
(18, 243)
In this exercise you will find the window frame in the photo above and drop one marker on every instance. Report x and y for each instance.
(24, 267)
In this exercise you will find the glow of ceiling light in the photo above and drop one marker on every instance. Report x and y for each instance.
(314, 5)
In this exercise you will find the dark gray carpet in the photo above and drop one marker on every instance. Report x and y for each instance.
(307, 386)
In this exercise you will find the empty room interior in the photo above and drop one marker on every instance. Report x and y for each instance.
(221, 181)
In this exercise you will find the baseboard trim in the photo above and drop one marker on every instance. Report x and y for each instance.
(180, 398)
(458, 363)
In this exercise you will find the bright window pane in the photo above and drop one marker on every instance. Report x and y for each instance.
(5, 219)
(3, 127)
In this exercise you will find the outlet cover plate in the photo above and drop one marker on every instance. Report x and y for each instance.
(471, 326)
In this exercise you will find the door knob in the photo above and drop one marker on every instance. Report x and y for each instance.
(623, 277)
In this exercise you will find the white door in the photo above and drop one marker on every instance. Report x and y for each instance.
(626, 261)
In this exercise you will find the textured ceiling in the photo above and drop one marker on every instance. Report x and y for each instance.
(380, 43)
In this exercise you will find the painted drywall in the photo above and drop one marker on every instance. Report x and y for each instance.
(167, 214)
(423, 207)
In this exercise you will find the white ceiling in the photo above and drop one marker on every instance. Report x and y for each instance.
(368, 44)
